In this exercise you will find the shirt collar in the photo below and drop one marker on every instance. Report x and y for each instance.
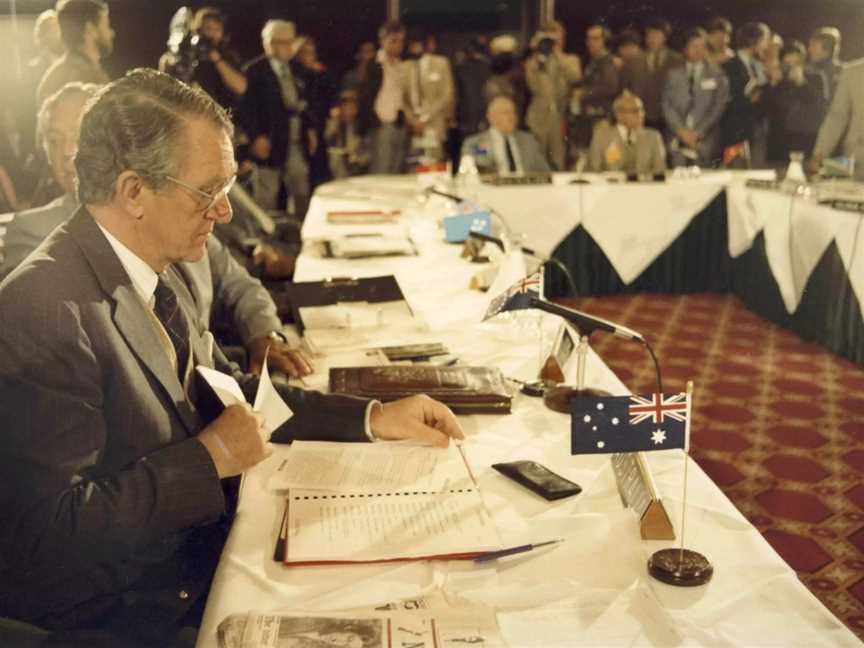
(144, 279)
(278, 66)
(622, 130)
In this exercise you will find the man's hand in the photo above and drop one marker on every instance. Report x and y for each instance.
(313, 142)
(415, 417)
(282, 358)
(261, 147)
(235, 440)
(689, 137)
(276, 265)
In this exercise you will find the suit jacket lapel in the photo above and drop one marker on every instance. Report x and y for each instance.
(130, 313)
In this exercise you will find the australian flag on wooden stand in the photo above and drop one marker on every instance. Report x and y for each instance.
(517, 297)
(629, 423)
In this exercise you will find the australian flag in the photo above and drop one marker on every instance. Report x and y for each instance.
(629, 423)
(516, 297)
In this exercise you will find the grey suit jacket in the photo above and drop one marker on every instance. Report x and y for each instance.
(843, 127)
(217, 281)
(29, 228)
(103, 486)
(480, 146)
(710, 96)
(609, 153)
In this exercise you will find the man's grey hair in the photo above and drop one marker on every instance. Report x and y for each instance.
(73, 90)
(138, 123)
(272, 27)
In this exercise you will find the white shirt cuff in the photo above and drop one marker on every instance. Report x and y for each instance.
(367, 425)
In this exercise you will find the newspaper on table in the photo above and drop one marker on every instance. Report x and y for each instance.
(420, 623)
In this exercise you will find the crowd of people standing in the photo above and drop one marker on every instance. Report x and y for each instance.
(404, 104)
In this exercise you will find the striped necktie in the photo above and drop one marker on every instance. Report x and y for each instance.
(168, 312)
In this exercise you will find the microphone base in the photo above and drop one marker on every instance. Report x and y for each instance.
(558, 398)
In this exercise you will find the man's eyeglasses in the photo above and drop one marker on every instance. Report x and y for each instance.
(206, 200)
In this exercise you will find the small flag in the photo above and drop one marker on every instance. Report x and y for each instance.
(737, 156)
(459, 226)
(517, 297)
(629, 423)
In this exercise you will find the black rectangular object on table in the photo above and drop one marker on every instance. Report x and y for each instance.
(539, 479)
(303, 294)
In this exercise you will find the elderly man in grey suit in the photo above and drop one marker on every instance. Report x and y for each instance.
(502, 148)
(843, 128)
(111, 478)
(694, 99)
(220, 282)
(628, 146)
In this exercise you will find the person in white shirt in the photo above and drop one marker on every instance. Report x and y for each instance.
(502, 148)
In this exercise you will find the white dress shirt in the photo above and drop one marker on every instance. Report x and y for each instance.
(144, 280)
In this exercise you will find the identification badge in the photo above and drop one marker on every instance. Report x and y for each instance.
(709, 84)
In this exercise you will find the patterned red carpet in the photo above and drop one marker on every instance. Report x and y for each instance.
(779, 426)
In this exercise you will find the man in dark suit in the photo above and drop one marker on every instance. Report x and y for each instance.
(502, 148)
(743, 120)
(694, 99)
(823, 52)
(659, 61)
(275, 112)
(111, 480)
(600, 85)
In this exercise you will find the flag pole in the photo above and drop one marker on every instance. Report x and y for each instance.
(686, 464)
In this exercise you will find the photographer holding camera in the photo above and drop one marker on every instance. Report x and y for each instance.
(550, 75)
(199, 54)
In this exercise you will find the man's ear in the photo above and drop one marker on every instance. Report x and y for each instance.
(130, 194)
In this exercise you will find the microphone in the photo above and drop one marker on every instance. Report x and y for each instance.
(586, 323)
(443, 194)
(530, 252)
(488, 239)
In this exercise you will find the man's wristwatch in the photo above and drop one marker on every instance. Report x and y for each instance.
(277, 336)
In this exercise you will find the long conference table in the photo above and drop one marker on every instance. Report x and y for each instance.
(591, 590)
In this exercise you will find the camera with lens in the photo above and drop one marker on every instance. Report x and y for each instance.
(186, 49)
(546, 43)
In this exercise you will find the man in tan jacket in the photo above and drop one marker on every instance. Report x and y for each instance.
(551, 75)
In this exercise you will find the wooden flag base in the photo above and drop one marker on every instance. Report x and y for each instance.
(682, 568)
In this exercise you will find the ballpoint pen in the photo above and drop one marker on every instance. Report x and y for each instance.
(495, 555)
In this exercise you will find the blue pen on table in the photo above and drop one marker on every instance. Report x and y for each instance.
(495, 555)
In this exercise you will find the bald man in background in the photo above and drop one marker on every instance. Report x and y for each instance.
(502, 148)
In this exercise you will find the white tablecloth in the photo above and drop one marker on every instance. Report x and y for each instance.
(593, 589)
(797, 233)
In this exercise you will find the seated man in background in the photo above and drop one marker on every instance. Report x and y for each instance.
(502, 148)
(111, 482)
(222, 286)
(628, 146)
(347, 150)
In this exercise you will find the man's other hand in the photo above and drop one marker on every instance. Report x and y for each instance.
(416, 417)
(235, 440)
(282, 357)
(276, 265)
